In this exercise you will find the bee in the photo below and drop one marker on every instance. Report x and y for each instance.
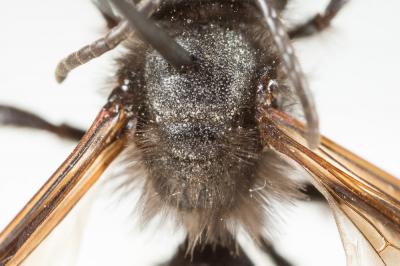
(209, 114)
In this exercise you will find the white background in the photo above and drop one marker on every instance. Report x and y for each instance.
(353, 72)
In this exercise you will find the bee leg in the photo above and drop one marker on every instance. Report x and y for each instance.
(319, 22)
(209, 255)
(11, 116)
(269, 249)
(311, 193)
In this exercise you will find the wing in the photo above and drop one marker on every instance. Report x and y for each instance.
(365, 200)
(98, 147)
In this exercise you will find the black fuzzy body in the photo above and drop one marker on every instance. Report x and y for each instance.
(204, 121)
(196, 134)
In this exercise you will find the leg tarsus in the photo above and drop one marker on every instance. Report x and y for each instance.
(319, 22)
(11, 116)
